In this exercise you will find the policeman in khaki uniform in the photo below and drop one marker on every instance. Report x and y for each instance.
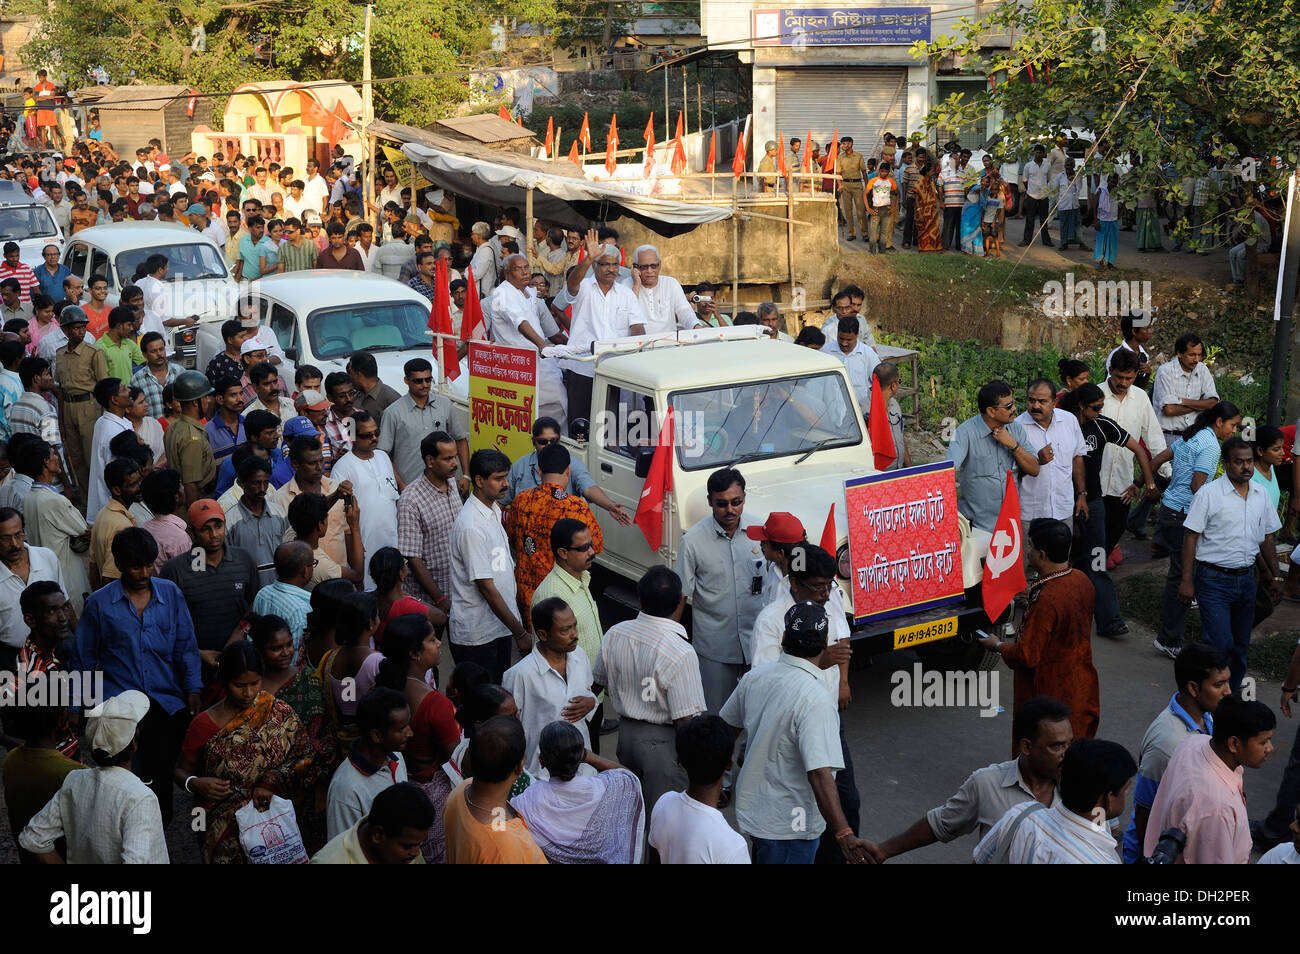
(78, 367)
(852, 167)
(767, 183)
(186, 444)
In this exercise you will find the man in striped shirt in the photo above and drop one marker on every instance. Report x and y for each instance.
(1095, 777)
(12, 267)
(653, 677)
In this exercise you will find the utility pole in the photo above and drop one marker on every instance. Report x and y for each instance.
(367, 117)
(1284, 308)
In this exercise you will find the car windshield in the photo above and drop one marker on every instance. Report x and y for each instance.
(191, 261)
(26, 222)
(370, 326)
(764, 419)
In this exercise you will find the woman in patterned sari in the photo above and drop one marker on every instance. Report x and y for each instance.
(582, 819)
(300, 688)
(928, 233)
(247, 746)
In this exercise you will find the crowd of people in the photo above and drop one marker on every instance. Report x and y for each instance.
(264, 572)
(941, 200)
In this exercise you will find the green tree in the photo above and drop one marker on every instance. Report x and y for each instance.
(1197, 80)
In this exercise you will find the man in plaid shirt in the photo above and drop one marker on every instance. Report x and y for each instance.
(157, 373)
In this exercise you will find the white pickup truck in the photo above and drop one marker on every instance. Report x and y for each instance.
(734, 396)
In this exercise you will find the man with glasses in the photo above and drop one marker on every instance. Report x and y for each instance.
(983, 449)
(370, 472)
(525, 474)
(412, 417)
(297, 253)
(723, 570)
(663, 303)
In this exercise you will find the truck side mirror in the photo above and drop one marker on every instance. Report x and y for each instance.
(644, 456)
(291, 354)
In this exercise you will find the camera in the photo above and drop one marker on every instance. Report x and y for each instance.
(1169, 847)
(697, 299)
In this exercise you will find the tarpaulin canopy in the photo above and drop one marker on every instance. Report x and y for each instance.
(560, 192)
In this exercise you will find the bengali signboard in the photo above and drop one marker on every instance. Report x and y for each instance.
(904, 543)
(841, 26)
(502, 398)
(406, 174)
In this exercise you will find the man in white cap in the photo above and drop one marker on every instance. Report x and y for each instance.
(107, 815)
(484, 262)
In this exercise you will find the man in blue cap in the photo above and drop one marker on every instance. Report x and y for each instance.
(282, 471)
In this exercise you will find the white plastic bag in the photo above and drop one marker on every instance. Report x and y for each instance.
(271, 837)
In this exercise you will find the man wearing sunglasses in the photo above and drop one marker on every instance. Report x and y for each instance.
(412, 418)
(370, 472)
(983, 449)
(525, 474)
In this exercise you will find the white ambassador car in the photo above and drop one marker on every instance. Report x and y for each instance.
(323, 317)
(198, 278)
(27, 222)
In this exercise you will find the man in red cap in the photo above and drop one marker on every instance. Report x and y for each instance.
(318, 409)
(776, 536)
(219, 590)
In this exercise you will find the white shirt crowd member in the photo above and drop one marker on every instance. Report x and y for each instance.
(859, 363)
(600, 316)
(480, 550)
(1052, 493)
(541, 694)
(375, 487)
(508, 310)
(665, 308)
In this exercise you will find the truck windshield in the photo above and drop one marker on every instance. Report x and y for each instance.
(190, 261)
(26, 222)
(777, 418)
(371, 326)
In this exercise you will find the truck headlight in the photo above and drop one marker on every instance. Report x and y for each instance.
(843, 565)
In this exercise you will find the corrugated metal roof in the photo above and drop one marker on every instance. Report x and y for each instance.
(142, 97)
(486, 127)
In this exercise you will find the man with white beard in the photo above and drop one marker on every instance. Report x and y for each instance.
(514, 319)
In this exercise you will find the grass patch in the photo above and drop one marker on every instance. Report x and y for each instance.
(1141, 595)
(999, 282)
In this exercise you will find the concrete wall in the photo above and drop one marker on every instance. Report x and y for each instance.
(705, 252)
(16, 30)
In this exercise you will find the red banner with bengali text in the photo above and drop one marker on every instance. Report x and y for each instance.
(904, 542)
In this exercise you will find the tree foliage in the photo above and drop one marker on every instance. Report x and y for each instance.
(431, 41)
(1197, 79)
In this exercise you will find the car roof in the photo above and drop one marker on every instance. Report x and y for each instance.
(121, 236)
(316, 288)
(716, 363)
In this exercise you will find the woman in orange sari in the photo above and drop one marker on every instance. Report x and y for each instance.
(928, 237)
(247, 746)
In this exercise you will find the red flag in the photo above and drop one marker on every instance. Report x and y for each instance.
(611, 145)
(573, 154)
(829, 164)
(472, 325)
(584, 134)
(504, 113)
(189, 107)
(781, 165)
(807, 153)
(659, 481)
(878, 429)
(341, 112)
(440, 321)
(313, 113)
(1004, 568)
(713, 151)
(678, 160)
(648, 166)
(520, 119)
(548, 147)
(828, 533)
(738, 162)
